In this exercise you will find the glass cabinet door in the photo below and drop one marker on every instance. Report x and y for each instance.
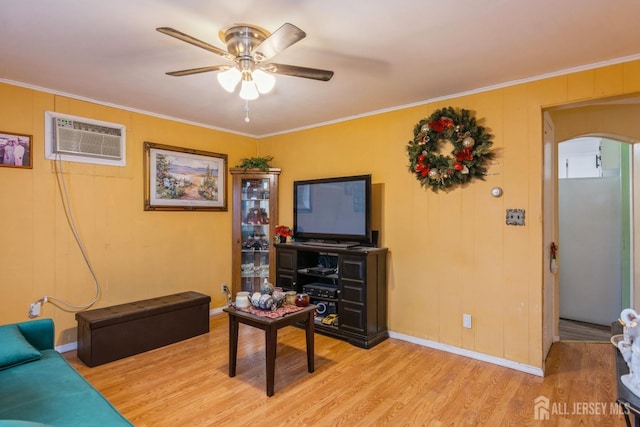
(254, 219)
(256, 236)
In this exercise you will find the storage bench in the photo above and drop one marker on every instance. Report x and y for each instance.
(111, 333)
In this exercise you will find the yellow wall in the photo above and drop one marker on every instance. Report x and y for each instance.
(136, 254)
(450, 253)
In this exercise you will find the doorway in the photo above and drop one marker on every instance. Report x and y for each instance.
(594, 229)
(613, 118)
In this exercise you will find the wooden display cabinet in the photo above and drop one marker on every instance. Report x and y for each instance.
(255, 216)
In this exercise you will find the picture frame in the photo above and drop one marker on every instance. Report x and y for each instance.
(16, 150)
(183, 179)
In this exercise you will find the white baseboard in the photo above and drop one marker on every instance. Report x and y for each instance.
(66, 347)
(215, 311)
(471, 354)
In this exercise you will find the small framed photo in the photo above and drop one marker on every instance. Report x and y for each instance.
(178, 179)
(15, 150)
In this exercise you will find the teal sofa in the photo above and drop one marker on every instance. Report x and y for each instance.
(39, 387)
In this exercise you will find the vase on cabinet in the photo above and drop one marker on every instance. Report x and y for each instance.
(255, 215)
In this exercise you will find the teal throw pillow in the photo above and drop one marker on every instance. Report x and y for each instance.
(14, 348)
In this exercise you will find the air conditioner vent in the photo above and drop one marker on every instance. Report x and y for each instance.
(84, 140)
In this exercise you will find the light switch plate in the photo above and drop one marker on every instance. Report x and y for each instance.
(515, 216)
(466, 321)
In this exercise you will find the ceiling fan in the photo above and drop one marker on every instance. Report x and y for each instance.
(250, 47)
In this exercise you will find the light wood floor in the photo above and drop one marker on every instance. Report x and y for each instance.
(394, 384)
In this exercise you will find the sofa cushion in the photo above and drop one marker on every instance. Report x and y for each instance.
(51, 392)
(21, 423)
(14, 348)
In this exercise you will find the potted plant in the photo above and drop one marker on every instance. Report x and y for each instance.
(261, 163)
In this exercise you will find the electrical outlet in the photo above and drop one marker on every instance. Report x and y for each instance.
(225, 290)
(515, 216)
(466, 321)
(34, 309)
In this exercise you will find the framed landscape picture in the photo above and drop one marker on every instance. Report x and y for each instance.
(15, 150)
(178, 178)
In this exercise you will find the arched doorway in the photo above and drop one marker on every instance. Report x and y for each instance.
(594, 232)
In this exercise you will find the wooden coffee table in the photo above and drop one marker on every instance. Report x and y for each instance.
(270, 326)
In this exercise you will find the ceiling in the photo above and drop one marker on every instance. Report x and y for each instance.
(385, 54)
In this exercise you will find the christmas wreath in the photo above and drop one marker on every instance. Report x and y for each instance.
(428, 156)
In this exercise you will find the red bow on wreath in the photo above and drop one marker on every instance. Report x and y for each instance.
(464, 155)
(441, 124)
(423, 169)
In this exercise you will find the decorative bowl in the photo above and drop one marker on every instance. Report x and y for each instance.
(302, 300)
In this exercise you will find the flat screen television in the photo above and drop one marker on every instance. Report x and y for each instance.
(333, 210)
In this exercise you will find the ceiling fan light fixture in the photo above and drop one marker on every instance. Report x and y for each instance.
(248, 90)
(229, 79)
(264, 81)
(250, 48)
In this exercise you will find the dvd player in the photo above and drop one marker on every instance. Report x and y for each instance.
(321, 270)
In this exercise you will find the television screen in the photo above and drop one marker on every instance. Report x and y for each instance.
(333, 209)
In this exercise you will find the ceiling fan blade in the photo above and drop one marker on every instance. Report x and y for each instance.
(192, 40)
(294, 70)
(278, 41)
(198, 70)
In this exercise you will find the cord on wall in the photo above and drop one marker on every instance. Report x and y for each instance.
(34, 310)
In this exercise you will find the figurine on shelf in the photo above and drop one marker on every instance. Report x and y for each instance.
(244, 191)
(248, 244)
(634, 367)
(264, 243)
(629, 347)
(253, 217)
(264, 216)
(257, 243)
(629, 319)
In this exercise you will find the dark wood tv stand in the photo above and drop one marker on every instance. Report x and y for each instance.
(358, 287)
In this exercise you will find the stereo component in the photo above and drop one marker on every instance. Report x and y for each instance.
(325, 307)
(319, 290)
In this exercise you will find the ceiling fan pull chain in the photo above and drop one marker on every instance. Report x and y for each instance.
(246, 111)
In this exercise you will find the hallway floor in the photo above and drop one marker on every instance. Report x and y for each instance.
(573, 330)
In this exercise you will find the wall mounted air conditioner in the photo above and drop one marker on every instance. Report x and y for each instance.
(78, 139)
